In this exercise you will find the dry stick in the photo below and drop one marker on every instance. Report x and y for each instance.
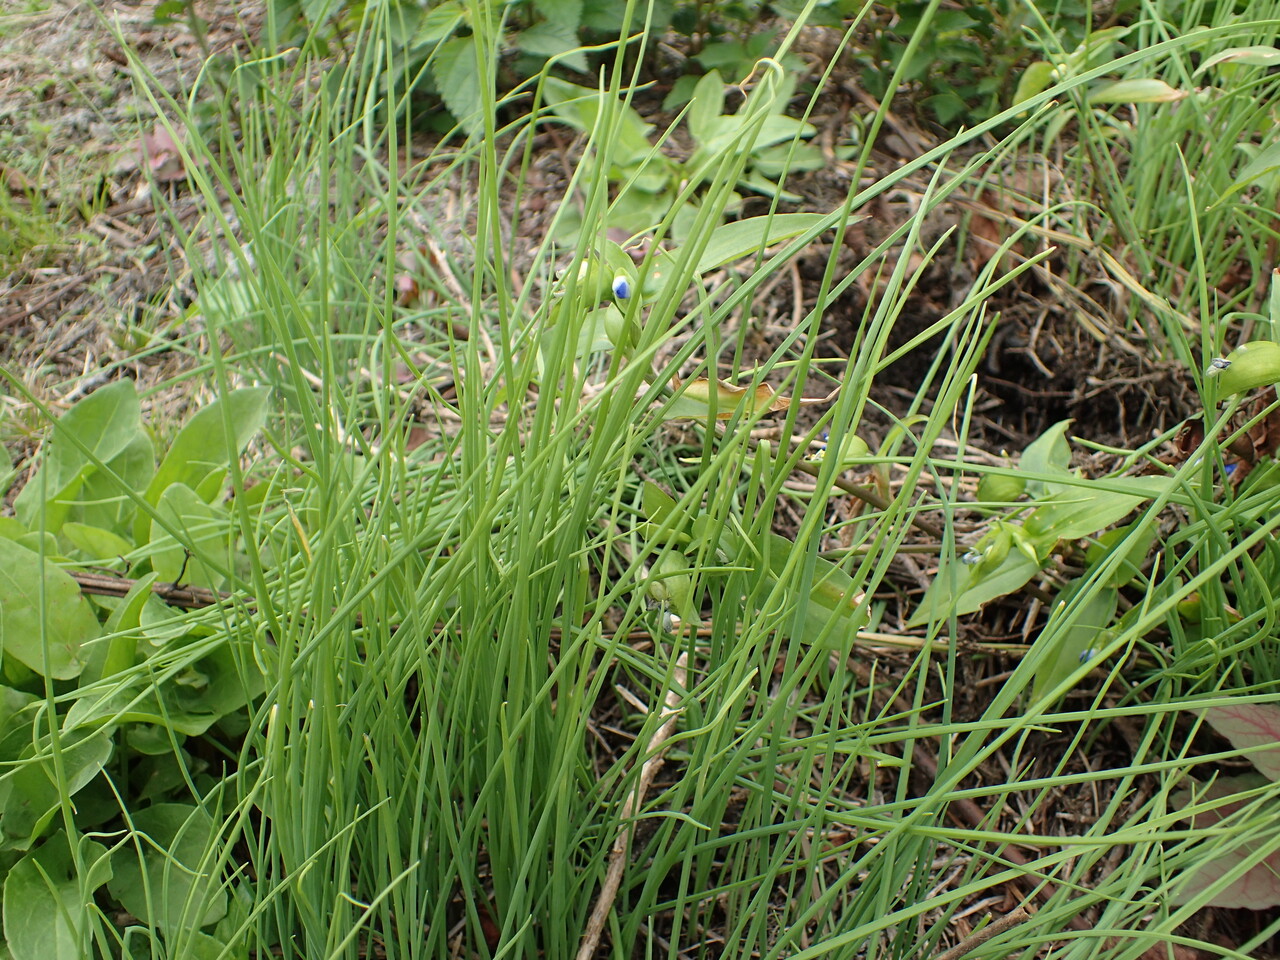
(979, 937)
(618, 856)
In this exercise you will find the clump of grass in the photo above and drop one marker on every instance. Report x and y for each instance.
(453, 547)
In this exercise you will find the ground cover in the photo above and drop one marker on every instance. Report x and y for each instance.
(791, 527)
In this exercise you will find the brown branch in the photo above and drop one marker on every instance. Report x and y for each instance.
(618, 855)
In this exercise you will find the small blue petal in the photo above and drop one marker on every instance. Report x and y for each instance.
(621, 287)
(1088, 654)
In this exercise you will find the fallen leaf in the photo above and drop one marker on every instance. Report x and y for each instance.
(159, 151)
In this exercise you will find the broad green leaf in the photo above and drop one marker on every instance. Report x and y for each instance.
(973, 591)
(116, 651)
(172, 838)
(7, 472)
(1247, 367)
(29, 794)
(580, 108)
(98, 546)
(1083, 509)
(564, 13)
(457, 78)
(105, 422)
(45, 903)
(1088, 623)
(201, 451)
(1265, 163)
(205, 534)
(1047, 456)
(1129, 568)
(706, 108)
(742, 238)
(68, 621)
(12, 529)
(548, 39)
(102, 502)
(437, 23)
(1035, 79)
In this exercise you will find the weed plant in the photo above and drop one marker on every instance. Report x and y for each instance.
(523, 669)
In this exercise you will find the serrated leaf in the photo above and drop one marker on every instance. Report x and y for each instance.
(1253, 728)
(437, 23)
(457, 78)
(548, 39)
(565, 14)
(29, 588)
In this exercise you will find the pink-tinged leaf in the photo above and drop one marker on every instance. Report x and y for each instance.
(159, 151)
(1254, 729)
(1259, 887)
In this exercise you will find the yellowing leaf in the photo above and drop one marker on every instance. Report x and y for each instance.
(693, 400)
(1136, 91)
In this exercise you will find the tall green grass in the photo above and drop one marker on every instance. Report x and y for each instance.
(466, 675)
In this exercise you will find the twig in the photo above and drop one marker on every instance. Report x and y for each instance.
(618, 855)
(979, 937)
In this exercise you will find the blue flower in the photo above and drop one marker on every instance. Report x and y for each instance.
(621, 287)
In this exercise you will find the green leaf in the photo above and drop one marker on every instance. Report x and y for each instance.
(202, 451)
(457, 78)
(66, 617)
(972, 590)
(548, 39)
(98, 546)
(188, 703)
(707, 106)
(1049, 455)
(7, 472)
(206, 535)
(565, 14)
(45, 903)
(1258, 56)
(102, 502)
(173, 838)
(30, 796)
(1247, 367)
(739, 239)
(1035, 79)
(1088, 622)
(437, 23)
(118, 649)
(105, 422)
(1085, 509)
